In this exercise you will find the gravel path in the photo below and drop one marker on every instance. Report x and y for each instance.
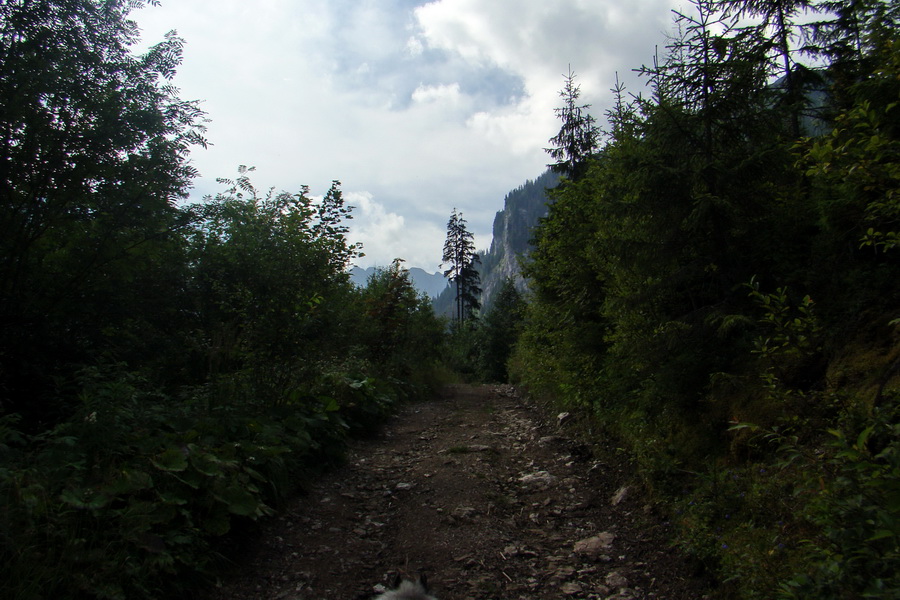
(484, 494)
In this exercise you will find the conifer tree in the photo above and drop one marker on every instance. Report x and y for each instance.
(501, 330)
(460, 255)
(578, 137)
(778, 23)
(852, 35)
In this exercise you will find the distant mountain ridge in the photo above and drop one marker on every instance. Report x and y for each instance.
(431, 284)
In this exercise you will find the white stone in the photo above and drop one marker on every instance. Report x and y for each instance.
(594, 546)
(620, 496)
(537, 478)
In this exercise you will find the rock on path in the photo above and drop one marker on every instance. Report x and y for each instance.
(483, 493)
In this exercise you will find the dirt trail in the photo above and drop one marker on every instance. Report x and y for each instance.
(477, 491)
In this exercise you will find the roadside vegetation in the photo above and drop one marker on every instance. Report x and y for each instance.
(717, 288)
(169, 372)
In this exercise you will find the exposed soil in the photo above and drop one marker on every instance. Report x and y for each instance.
(480, 492)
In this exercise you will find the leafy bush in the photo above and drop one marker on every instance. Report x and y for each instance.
(855, 505)
(130, 498)
(138, 486)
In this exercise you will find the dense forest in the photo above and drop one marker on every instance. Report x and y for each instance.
(714, 290)
(716, 287)
(169, 371)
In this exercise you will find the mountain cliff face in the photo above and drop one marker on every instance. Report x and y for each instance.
(523, 207)
(522, 210)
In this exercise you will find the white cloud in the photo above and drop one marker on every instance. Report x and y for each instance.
(539, 41)
(414, 46)
(416, 241)
(376, 226)
(437, 93)
(416, 109)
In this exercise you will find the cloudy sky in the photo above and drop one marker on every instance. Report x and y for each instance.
(417, 107)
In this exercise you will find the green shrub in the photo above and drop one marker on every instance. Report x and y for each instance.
(855, 504)
(130, 498)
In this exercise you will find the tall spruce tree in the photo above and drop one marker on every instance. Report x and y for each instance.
(461, 258)
(778, 23)
(470, 289)
(578, 137)
(852, 35)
